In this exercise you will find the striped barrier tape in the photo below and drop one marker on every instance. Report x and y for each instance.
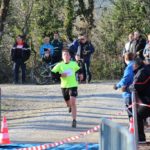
(130, 106)
(140, 104)
(70, 139)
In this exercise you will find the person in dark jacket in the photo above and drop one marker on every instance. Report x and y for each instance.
(47, 58)
(141, 84)
(84, 48)
(58, 45)
(20, 53)
(138, 45)
(57, 55)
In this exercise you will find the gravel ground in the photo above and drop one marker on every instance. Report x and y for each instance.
(38, 114)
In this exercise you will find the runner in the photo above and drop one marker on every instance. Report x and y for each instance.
(67, 70)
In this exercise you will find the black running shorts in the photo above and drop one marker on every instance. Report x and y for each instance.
(67, 92)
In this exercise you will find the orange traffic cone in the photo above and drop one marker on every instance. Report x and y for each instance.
(4, 136)
(131, 126)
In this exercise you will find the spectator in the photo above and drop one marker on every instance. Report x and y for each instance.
(46, 46)
(128, 45)
(146, 51)
(47, 57)
(85, 49)
(20, 53)
(81, 65)
(142, 86)
(138, 45)
(58, 45)
(126, 81)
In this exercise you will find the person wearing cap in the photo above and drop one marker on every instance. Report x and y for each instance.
(20, 53)
(141, 84)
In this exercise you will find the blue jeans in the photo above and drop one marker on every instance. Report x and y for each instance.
(128, 101)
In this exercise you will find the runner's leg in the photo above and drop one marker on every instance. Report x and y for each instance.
(73, 107)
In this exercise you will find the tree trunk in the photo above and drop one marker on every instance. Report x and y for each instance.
(87, 13)
(4, 6)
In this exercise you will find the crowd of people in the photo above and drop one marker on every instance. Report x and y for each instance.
(50, 52)
(136, 77)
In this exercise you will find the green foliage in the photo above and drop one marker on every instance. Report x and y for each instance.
(36, 18)
(111, 34)
(50, 15)
(68, 23)
(85, 12)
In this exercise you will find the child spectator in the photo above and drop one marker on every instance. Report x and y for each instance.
(81, 65)
(46, 57)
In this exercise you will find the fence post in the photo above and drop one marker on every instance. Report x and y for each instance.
(115, 137)
(134, 112)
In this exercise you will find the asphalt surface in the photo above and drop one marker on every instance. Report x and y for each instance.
(38, 114)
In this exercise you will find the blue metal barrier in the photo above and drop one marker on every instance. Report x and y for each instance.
(115, 137)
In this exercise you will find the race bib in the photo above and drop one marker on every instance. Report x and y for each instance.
(69, 72)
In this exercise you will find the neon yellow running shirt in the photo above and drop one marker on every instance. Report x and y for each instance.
(70, 69)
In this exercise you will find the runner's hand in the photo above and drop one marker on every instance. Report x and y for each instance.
(63, 75)
(81, 77)
(115, 87)
(123, 89)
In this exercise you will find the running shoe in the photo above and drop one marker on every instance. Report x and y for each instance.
(69, 110)
(74, 123)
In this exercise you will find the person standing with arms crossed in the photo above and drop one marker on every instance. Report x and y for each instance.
(67, 70)
(20, 53)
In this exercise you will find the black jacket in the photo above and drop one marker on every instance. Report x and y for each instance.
(83, 49)
(58, 46)
(22, 53)
(142, 83)
(138, 46)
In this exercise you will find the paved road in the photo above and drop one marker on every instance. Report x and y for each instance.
(38, 114)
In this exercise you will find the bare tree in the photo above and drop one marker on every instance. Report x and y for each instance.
(4, 7)
(23, 10)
